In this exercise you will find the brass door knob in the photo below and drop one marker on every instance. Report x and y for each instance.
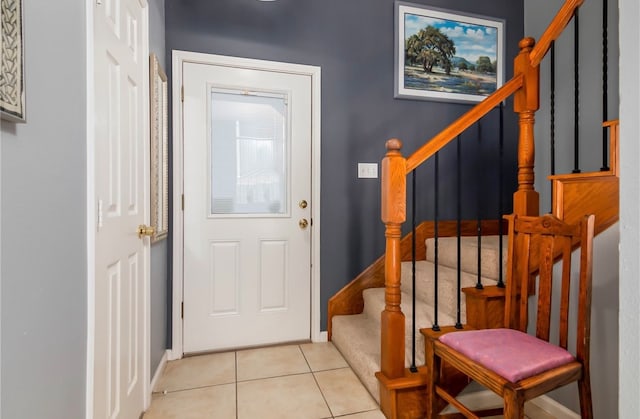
(145, 230)
(303, 204)
(303, 223)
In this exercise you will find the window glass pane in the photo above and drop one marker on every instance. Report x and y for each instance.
(248, 153)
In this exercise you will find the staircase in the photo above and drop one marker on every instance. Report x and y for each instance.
(357, 337)
(370, 319)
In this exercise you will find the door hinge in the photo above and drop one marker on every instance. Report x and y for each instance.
(182, 93)
(182, 202)
(182, 310)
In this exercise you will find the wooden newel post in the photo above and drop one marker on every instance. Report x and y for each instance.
(394, 202)
(526, 103)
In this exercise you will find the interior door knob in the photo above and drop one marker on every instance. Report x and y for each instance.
(145, 230)
(303, 223)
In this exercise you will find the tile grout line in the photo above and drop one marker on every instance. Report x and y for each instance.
(315, 380)
(356, 413)
(182, 390)
(292, 374)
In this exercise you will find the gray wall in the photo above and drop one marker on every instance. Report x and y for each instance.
(159, 250)
(629, 363)
(44, 252)
(604, 335)
(352, 41)
(536, 20)
(604, 326)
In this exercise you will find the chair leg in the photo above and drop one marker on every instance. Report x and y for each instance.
(432, 364)
(584, 391)
(513, 404)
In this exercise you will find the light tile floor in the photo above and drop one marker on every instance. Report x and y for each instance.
(307, 381)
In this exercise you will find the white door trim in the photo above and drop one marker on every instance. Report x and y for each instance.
(92, 221)
(178, 59)
(91, 213)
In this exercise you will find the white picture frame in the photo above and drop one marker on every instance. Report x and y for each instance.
(445, 55)
(159, 130)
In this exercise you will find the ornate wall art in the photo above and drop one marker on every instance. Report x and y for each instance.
(158, 113)
(12, 95)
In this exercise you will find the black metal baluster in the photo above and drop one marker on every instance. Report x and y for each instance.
(436, 327)
(605, 83)
(500, 203)
(479, 177)
(413, 367)
(458, 228)
(576, 93)
(553, 107)
(553, 113)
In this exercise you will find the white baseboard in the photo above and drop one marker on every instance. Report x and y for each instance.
(161, 365)
(554, 408)
(322, 337)
(174, 355)
(486, 399)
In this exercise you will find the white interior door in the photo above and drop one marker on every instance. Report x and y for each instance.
(247, 206)
(121, 186)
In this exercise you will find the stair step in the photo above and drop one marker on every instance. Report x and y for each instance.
(447, 284)
(374, 305)
(357, 337)
(490, 254)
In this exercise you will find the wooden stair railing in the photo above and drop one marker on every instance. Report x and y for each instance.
(349, 299)
(525, 87)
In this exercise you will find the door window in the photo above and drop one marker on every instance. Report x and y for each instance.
(248, 153)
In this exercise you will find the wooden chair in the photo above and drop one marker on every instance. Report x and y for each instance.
(515, 365)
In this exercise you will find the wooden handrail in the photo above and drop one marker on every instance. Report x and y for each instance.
(465, 121)
(554, 30)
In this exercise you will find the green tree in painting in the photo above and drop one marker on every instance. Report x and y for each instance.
(484, 65)
(430, 47)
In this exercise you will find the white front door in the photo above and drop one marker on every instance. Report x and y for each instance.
(247, 207)
(121, 188)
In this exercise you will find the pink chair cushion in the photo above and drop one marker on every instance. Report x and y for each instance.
(509, 353)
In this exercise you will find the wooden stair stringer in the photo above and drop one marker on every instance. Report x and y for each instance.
(578, 194)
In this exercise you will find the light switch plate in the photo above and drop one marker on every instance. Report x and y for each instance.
(368, 170)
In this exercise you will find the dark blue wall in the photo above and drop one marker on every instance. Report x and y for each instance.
(352, 41)
(159, 305)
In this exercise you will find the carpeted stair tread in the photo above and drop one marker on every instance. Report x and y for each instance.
(447, 284)
(357, 337)
(374, 305)
(448, 254)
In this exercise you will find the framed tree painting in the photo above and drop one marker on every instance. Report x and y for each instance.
(446, 55)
